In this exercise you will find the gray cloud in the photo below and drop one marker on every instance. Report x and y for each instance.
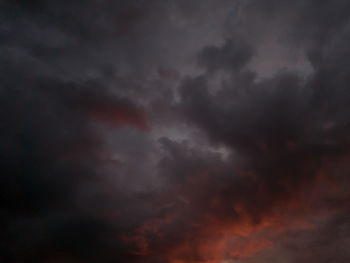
(174, 131)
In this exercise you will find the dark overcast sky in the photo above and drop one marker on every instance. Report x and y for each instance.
(175, 131)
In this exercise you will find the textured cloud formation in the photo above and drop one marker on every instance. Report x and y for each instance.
(175, 131)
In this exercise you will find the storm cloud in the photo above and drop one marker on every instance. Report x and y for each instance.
(175, 131)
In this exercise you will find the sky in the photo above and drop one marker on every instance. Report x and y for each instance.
(175, 131)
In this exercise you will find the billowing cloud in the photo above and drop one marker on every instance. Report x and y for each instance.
(174, 131)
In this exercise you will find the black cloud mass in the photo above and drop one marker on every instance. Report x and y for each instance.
(174, 131)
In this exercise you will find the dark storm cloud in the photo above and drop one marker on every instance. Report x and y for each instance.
(50, 149)
(243, 163)
(231, 56)
(50, 153)
(284, 128)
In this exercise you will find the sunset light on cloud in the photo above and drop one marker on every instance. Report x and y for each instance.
(178, 131)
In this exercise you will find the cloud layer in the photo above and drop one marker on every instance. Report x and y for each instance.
(174, 131)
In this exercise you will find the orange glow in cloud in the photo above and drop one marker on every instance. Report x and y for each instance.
(209, 237)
